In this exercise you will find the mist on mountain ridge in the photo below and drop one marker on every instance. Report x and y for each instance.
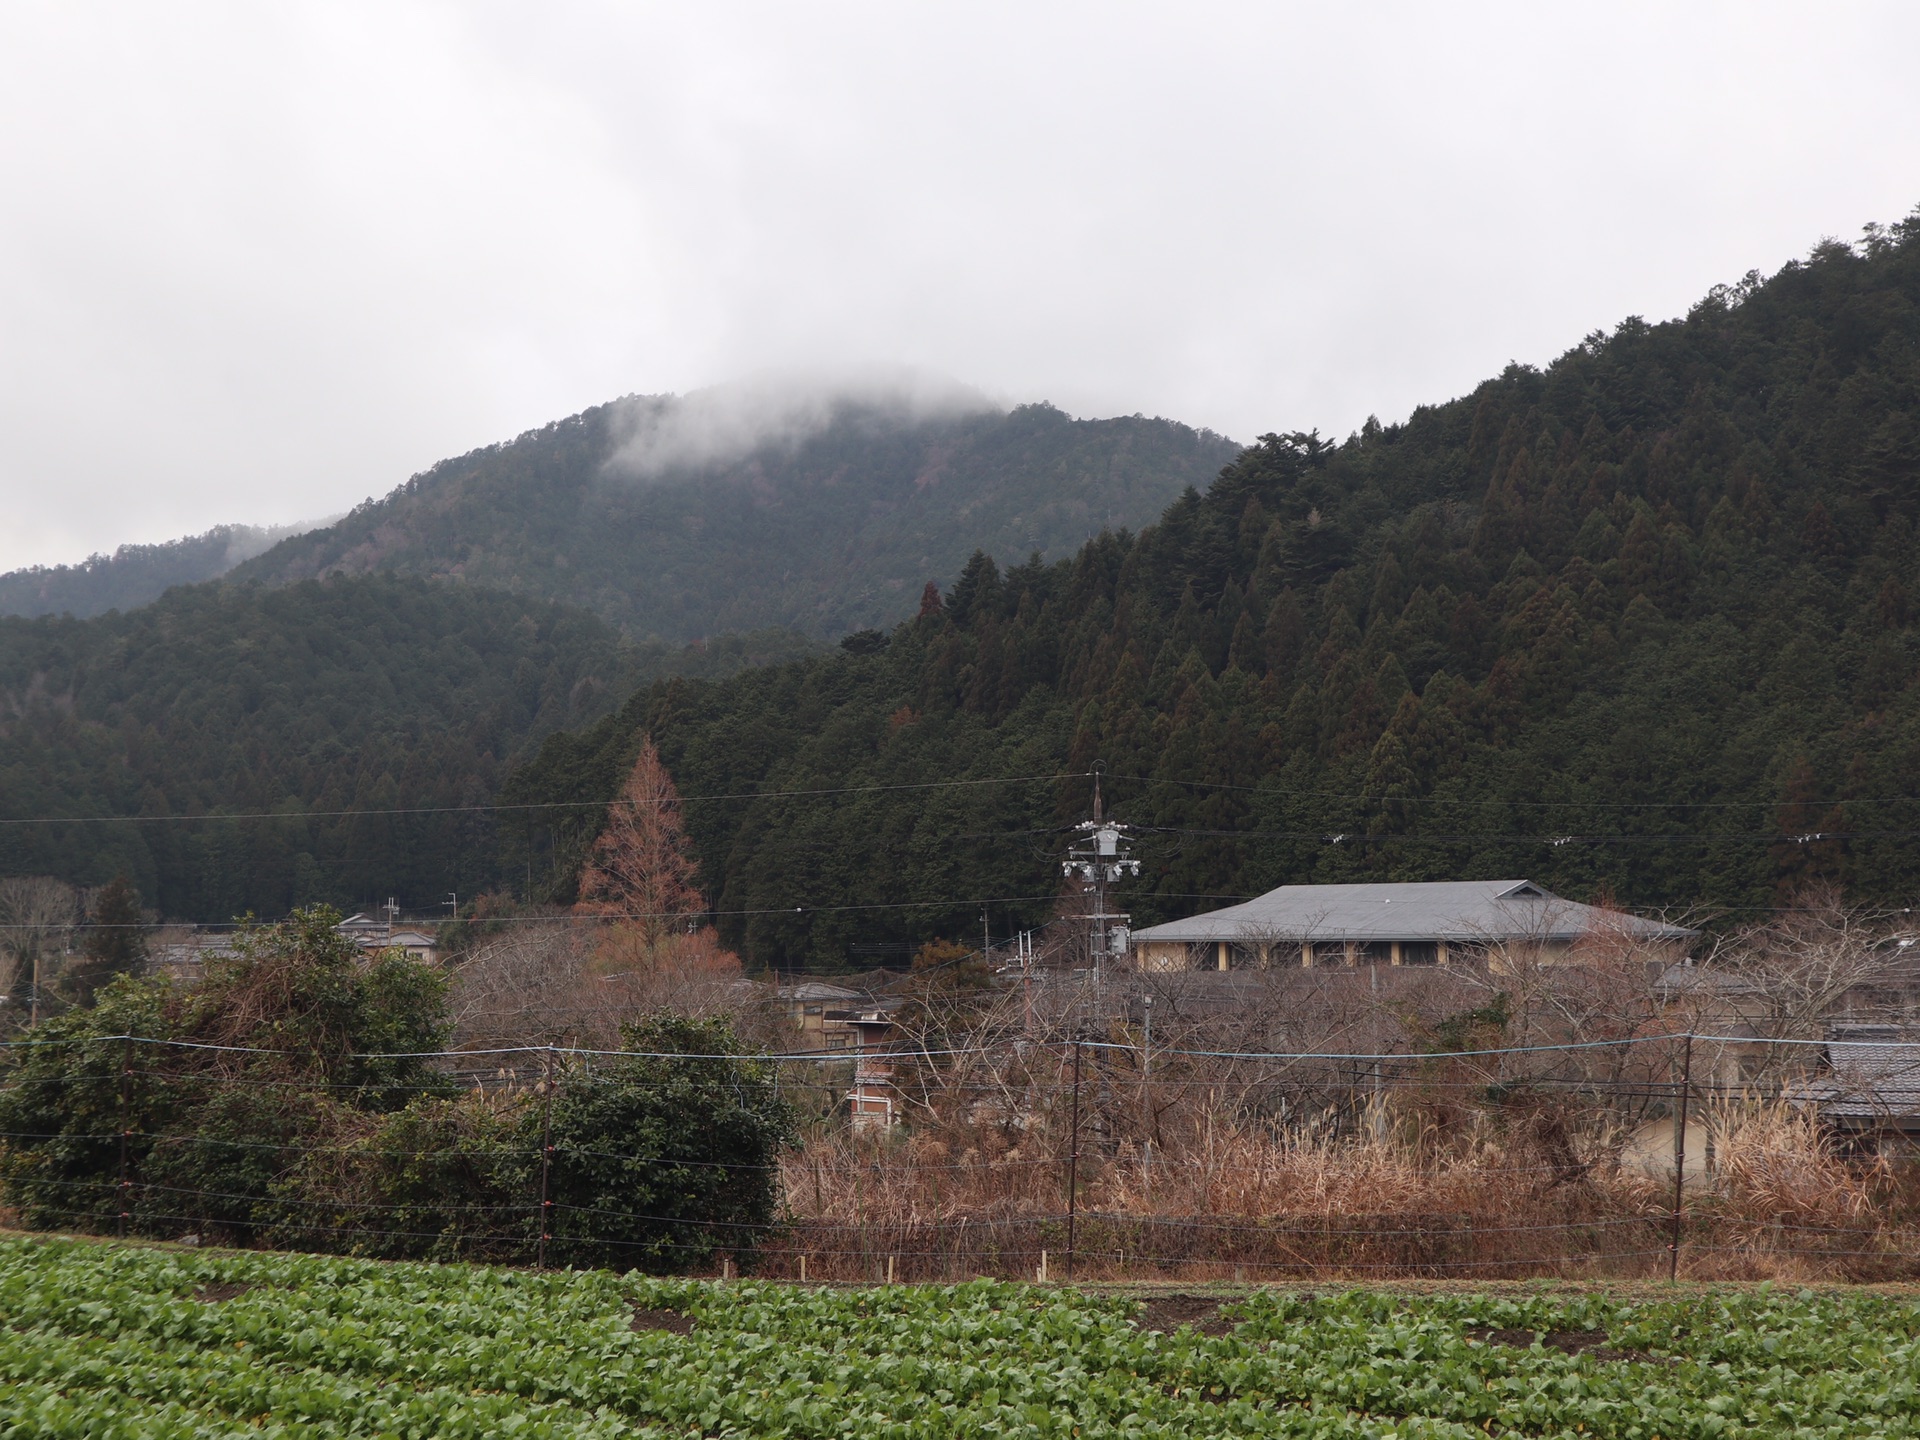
(820, 507)
(678, 437)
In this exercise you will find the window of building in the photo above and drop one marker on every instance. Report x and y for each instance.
(1419, 952)
(1373, 952)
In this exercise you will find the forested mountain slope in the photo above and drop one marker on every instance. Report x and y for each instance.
(133, 574)
(291, 705)
(683, 518)
(1640, 624)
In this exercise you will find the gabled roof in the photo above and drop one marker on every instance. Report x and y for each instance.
(814, 990)
(1464, 912)
(1872, 1073)
(1714, 981)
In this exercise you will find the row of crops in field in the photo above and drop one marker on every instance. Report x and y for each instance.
(105, 1340)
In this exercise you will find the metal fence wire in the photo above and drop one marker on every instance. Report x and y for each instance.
(1657, 1156)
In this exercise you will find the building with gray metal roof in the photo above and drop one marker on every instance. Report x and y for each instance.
(1385, 924)
(1867, 1086)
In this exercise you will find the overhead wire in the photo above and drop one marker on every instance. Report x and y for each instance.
(1318, 1242)
(808, 792)
(539, 805)
(1016, 1046)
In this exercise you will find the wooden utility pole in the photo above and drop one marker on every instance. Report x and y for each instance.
(1073, 1165)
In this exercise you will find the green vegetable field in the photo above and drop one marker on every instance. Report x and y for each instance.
(105, 1340)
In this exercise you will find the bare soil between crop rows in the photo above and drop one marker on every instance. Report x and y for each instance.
(1165, 1313)
(672, 1321)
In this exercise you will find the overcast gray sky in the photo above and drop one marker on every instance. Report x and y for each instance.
(259, 261)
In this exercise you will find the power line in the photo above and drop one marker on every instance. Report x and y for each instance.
(597, 917)
(1014, 1047)
(1771, 837)
(1522, 803)
(538, 806)
(532, 805)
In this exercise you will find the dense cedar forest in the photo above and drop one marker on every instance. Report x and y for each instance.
(822, 529)
(133, 575)
(291, 705)
(1639, 625)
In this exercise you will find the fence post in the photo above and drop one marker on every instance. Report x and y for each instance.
(1146, 1107)
(126, 1079)
(1680, 1156)
(1073, 1165)
(546, 1161)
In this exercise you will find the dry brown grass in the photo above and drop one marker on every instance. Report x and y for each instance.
(1386, 1196)
(1772, 1160)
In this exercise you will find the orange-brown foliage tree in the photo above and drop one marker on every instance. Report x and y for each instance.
(641, 876)
(640, 870)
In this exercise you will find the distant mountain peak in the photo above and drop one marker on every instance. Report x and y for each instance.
(138, 574)
(816, 503)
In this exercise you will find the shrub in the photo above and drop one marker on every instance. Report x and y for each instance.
(227, 1079)
(661, 1162)
(443, 1179)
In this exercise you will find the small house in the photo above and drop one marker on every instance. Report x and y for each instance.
(838, 1018)
(376, 936)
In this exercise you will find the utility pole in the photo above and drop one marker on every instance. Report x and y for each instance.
(1099, 878)
(1099, 859)
(546, 1161)
(1684, 1089)
(1026, 977)
(1073, 1168)
(126, 1129)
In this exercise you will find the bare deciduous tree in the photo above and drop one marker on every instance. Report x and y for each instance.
(1781, 985)
(1813, 964)
(562, 982)
(37, 917)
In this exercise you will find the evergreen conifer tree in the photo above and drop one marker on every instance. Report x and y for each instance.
(115, 942)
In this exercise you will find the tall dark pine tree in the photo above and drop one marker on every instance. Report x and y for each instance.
(115, 941)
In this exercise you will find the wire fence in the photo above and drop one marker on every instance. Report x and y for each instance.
(1650, 1156)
